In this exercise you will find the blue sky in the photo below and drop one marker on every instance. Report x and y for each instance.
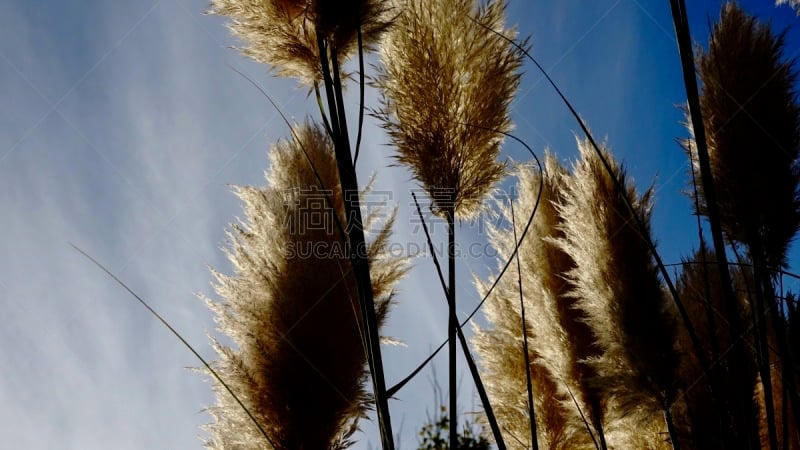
(121, 127)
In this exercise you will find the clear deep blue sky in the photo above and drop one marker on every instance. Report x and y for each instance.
(121, 127)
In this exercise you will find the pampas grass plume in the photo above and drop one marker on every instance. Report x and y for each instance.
(283, 33)
(447, 83)
(297, 359)
(553, 349)
(616, 285)
(752, 119)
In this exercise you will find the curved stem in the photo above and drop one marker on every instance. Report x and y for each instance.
(360, 94)
(394, 389)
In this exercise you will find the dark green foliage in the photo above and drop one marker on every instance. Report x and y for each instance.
(434, 435)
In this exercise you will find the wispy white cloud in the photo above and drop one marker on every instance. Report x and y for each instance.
(121, 144)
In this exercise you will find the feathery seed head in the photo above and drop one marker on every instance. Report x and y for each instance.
(558, 338)
(616, 285)
(447, 83)
(752, 118)
(283, 33)
(291, 308)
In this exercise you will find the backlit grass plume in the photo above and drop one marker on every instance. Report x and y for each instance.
(560, 340)
(600, 325)
(500, 349)
(616, 285)
(291, 310)
(500, 346)
(752, 119)
(447, 83)
(283, 33)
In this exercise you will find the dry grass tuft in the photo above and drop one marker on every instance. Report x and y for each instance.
(283, 33)
(447, 83)
(558, 338)
(616, 285)
(752, 119)
(297, 359)
(600, 325)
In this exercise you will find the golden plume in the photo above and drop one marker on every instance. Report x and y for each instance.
(291, 309)
(447, 82)
(283, 33)
(559, 341)
(616, 285)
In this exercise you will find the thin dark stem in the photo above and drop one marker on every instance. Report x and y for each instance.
(360, 93)
(414, 373)
(430, 247)
(357, 243)
(601, 435)
(681, 23)
(583, 418)
(344, 135)
(673, 433)
(328, 83)
(452, 323)
(487, 406)
(322, 112)
(789, 274)
(526, 356)
(391, 392)
(473, 368)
